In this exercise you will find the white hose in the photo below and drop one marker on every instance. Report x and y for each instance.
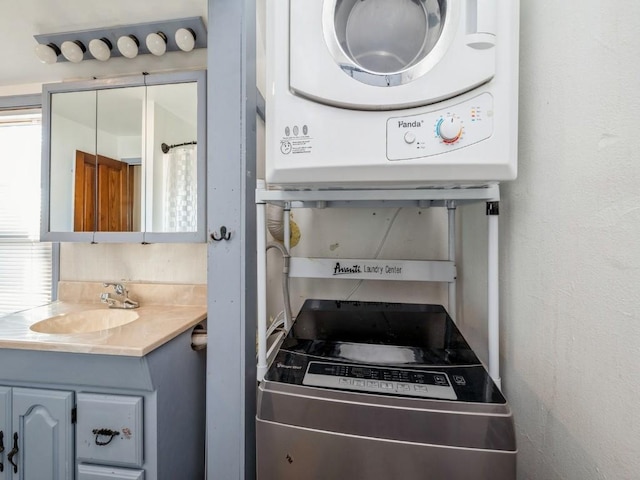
(285, 283)
(275, 222)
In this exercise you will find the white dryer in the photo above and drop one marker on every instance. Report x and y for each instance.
(391, 93)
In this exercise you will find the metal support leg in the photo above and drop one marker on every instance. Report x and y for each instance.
(261, 245)
(493, 302)
(287, 245)
(287, 226)
(451, 210)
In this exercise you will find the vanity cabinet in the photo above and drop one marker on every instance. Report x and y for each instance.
(37, 433)
(136, 418)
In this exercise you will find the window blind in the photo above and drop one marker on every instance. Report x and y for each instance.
(25, 263)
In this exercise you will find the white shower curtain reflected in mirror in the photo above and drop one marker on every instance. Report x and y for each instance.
(180, 189)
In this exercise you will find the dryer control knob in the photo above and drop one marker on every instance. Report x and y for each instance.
(449, 129)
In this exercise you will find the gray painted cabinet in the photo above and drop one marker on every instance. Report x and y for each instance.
(37, 434)
(138, 418)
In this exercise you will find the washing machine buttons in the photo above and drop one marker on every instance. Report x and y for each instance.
(460, 380)
(440, 380)
(449, 129)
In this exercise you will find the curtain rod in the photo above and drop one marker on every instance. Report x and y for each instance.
(166, 148)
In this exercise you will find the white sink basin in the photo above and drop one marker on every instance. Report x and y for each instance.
(85, 321)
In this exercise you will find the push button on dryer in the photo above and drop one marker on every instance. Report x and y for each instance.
(409, 137)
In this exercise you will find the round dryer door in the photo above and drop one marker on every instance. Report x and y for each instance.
(384, 43)
(385, 54)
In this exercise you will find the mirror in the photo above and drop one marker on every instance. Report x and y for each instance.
(124, 160)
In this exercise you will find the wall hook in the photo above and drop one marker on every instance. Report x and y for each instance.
(224, 235)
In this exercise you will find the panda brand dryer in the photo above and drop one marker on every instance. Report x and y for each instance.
(380, 93)
(380, 391)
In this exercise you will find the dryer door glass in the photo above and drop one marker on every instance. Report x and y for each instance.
(383, 37)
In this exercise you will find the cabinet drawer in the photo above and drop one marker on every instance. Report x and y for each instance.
(94, 472)
(109, 429)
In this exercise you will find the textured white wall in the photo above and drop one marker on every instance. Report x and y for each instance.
(570, 262)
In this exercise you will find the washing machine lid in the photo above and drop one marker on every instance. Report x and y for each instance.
(379, 332)
(376, 54)
(396, 349)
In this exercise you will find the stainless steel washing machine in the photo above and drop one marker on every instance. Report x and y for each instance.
(367, 390)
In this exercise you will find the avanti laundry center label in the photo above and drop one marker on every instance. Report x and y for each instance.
(370, 269)
(367, 269)
(296, 140)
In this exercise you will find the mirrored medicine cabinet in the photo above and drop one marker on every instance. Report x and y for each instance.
(123, 160)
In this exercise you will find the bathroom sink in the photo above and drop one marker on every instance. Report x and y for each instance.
(85, 321)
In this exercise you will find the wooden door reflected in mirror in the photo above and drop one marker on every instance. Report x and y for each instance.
(103, 199)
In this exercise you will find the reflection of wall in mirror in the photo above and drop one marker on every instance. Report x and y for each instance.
(67, 136)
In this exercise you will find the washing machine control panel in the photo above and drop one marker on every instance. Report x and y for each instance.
(440, 131)
(374, 379)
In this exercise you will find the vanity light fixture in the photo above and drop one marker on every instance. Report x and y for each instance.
(157, 43)
(73, 50)
(100, 48)
(47, 53)
(184, 34)
(128, 46)
(185, 39)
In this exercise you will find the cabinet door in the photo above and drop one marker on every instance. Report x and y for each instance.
(42, 421)
(5, 431)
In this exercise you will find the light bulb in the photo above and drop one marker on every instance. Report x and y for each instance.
(73, 50)
(157, 43)
(47, 53)
(100, 49)
(186, 39)
(128, 46)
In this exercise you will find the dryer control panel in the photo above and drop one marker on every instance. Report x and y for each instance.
(440, 131)
(374, 379)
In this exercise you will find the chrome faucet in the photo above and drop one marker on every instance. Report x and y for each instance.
(122, 301)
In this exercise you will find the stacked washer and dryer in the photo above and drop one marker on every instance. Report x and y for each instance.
(386, 94)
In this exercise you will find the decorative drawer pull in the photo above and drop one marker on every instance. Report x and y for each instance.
(1, 449)
(14, 451)
(104, 432)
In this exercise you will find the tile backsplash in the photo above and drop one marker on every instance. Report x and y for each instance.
(144, 293)
(184, 263)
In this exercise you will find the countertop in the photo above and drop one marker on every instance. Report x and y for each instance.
(159, 320)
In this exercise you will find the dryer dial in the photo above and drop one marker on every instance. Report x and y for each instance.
(449, 129)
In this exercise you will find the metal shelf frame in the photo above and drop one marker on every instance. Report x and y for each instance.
(421, 270)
